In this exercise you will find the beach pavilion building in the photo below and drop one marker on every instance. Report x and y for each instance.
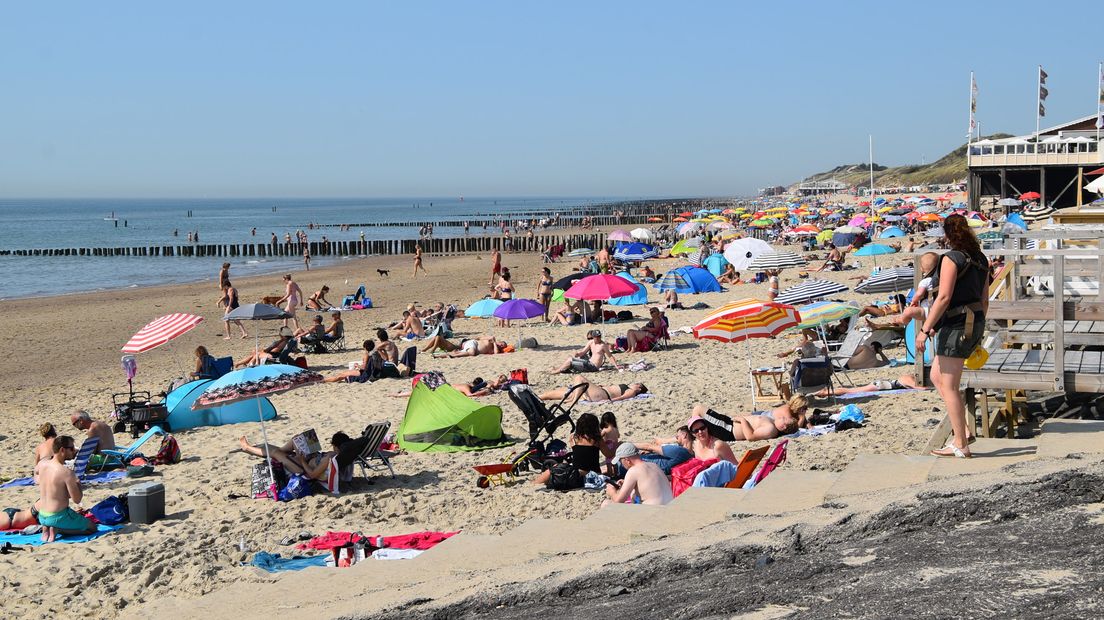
(1058, 166)
(823, 186)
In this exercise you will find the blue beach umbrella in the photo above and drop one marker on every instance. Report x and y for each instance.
(875, 250)
(635, 252)
(891, 232)
(483, 308)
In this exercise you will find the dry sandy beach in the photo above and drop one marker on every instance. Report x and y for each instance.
(63, 353)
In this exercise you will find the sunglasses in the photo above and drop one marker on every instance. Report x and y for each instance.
(700, 429)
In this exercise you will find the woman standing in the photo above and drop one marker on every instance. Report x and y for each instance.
(544, 291)
(229, 299)
(293, 295)
(957, 322)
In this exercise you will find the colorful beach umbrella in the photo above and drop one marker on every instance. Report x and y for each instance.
(874, 249)
(891, 232)
(686, 246)
(518, 310)
(1030, 196)
(1035, 213)
(620, 235)
(810, 290)
(824, 312)
(577, 252)
(746, 319)
(161, 330)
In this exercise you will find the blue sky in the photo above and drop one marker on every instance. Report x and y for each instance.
(508, 98)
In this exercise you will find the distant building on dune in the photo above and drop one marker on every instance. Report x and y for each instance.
(1057, 166)
(822, 186)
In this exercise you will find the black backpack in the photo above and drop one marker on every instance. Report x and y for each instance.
(564, 477)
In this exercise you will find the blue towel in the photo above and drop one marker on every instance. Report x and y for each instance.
(34, 540)
(716, 475)
(878, 393)
(273, 563)
(99, 478)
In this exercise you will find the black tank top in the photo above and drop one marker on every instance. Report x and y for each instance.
(586, 458)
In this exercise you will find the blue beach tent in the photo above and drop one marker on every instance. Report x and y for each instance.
(181, 416)
(636, 299)
(689, 279)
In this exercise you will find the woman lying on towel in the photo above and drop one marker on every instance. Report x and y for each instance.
(597, 393)
(16, 519)
(782, 420)
(470, 347)
(477, 387)
(313, 466)
(904, 382)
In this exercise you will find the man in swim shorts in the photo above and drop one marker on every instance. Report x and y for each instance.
(904, 382)
(58, 485)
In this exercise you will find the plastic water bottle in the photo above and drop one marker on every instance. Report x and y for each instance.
(241, 544)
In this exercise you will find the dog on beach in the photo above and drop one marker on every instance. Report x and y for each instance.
(384, 272)
(271, 299)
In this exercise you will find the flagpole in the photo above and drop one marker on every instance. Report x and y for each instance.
(1099, 104)
(1038, 106)
(871, 137)
(970, 130)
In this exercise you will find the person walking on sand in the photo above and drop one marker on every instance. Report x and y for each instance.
(293, 295)
(544, 291)
(306, 257)
(418, 261)
(57, 485)
(496, 266)
(224, 276)
(229, 300)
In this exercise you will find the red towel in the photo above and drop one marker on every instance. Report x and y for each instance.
(418, 540)
(330, 540)
(682, 476)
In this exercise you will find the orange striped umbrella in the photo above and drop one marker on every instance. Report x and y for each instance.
(747, 318)
(159, 331)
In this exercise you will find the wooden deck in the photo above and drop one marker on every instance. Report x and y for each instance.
(1033, 369)
(1077, 333)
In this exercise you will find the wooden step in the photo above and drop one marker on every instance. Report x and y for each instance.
(1061, 438)
(989, 454)
(875, 472)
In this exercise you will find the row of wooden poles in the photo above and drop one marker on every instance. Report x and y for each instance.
(377, 247)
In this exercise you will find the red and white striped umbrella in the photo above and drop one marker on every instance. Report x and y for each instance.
(747, 318)
(159, 331)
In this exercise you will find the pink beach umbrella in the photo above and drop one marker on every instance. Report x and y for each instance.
(621, 235)
(601, 286)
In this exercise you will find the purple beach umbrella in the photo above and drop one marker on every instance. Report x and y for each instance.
(519, 309)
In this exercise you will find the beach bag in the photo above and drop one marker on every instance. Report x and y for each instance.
(720, 425)
(520, 375)
(169, 452)
(682, 476)
(564, 477)
(297, 487)
(776, 458)
(259, 479)
(111, 511)
(625, 315)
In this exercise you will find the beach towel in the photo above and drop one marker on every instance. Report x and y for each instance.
(644, 396)
(815, 431)
(682, 476)
(273, 563)
(417, 540)
(34, 540)
(878, 393)
(396, 554)
(102, 477)
(716, 475)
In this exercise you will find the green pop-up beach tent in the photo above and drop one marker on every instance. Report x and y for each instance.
(444, 420)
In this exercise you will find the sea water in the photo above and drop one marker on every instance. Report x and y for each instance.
(76, 223)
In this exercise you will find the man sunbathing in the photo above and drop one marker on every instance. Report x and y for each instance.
(597, 393)
(762, 425)
(478, 387)
(58, 485)
(93, 428)
(669, 452)
(313, 466)
(642, 478)
(904, 382)
(591, 357)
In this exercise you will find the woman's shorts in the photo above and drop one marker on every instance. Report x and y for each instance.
(950, 340)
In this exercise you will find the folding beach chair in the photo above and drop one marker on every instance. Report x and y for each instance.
(222, 365)
(334, 343)
(365, 450)
(120, 457)
(355, 297)
(746, 467)
(80, 462)
(776, 458)
(811, 374)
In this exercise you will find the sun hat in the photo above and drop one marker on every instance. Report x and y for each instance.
(691, 421)
(625, 450)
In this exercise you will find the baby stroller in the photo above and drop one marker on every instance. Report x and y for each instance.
(542, 454)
